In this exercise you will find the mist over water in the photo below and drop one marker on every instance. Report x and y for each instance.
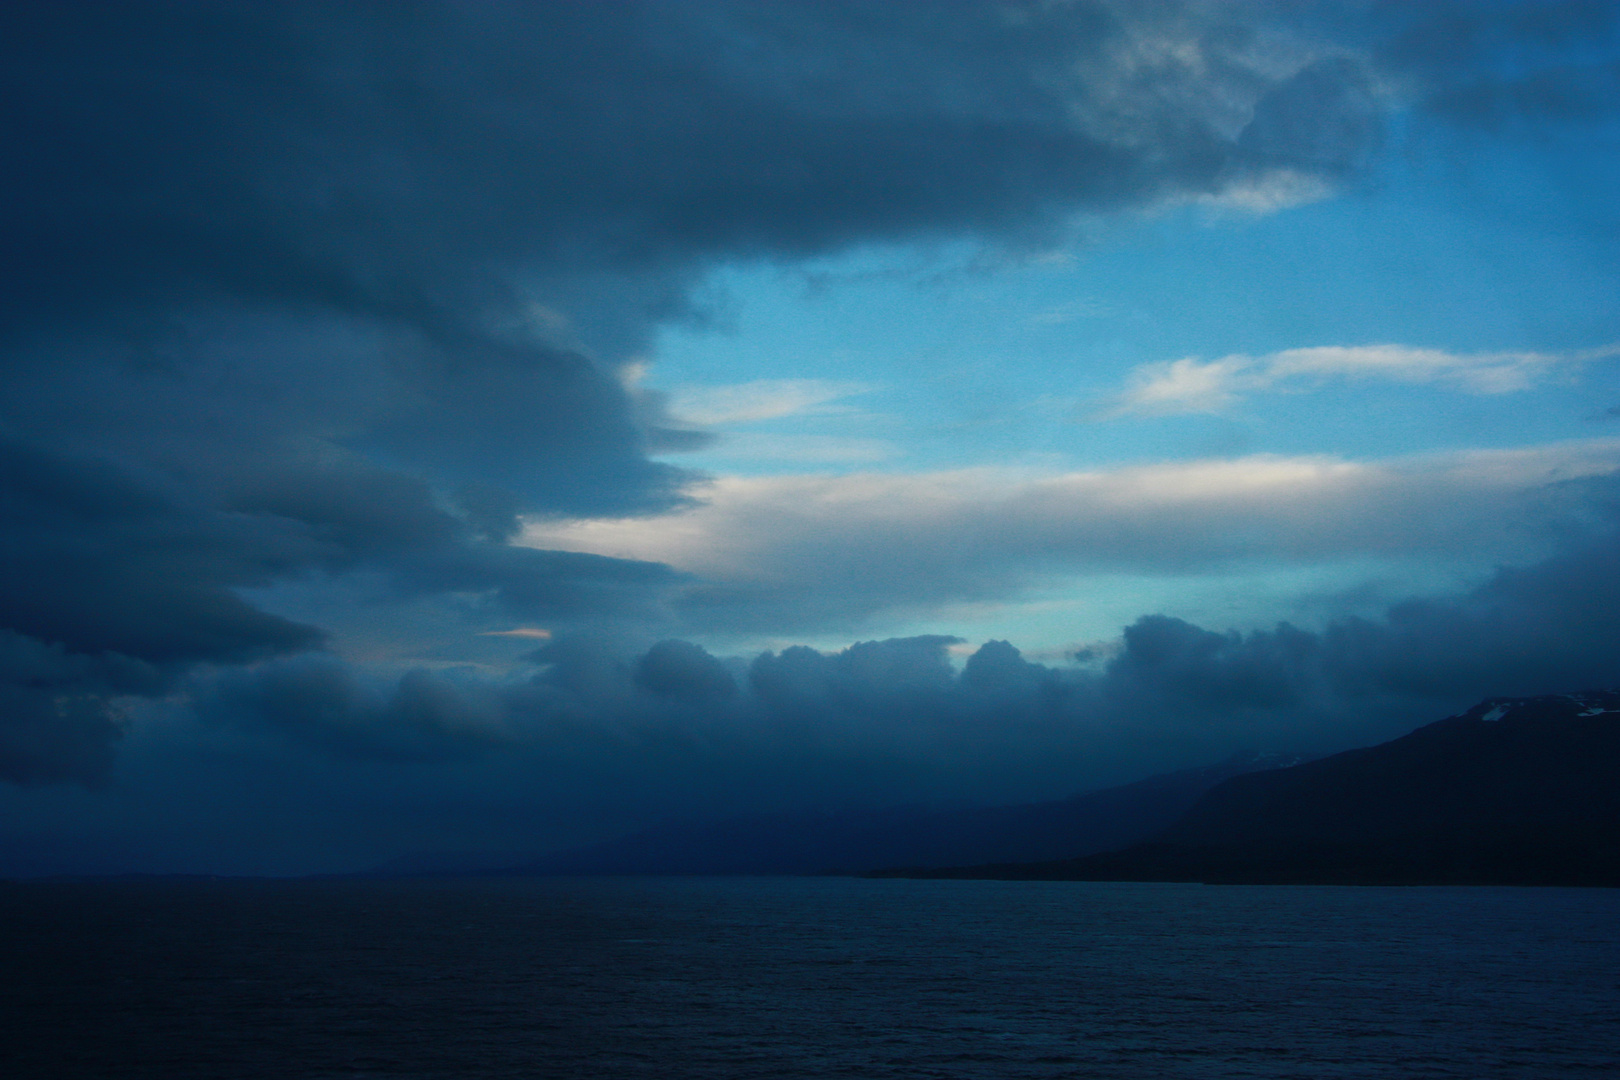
(804, 977)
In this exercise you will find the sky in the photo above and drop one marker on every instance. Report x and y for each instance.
(495, 427)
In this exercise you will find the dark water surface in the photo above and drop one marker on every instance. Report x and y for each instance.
(785, 977)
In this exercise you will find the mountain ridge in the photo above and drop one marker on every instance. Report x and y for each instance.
(1514, 791)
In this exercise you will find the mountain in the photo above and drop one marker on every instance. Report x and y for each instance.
(1515, 791)
(859, 841)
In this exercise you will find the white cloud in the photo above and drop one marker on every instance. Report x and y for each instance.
(1185, 386)
(1192, 385)
(762, 399)
(804, 449)
(1268, 192)
(804, 547)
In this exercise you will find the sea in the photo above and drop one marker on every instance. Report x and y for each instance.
(802, 977)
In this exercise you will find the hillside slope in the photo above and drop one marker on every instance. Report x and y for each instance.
(1521, 791)
(858, 841)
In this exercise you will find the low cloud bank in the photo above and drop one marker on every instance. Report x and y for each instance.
(598, 740)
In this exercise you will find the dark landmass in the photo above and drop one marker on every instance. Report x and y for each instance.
(1516, 791)
(865, 840)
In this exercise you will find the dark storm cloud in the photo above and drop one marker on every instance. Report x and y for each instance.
(59, 720)
(413, 160)
(1327, 118)
(99, 562)
(679, 669)
(1530, 630)
(1496, 63)
(1545, 628)
(109, 586)
(301, 289)
(112, 584)
(909, 672)
(424, 717)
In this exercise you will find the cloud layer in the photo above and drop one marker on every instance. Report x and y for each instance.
(1191, 385)
(762, 399)
(809, 553)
